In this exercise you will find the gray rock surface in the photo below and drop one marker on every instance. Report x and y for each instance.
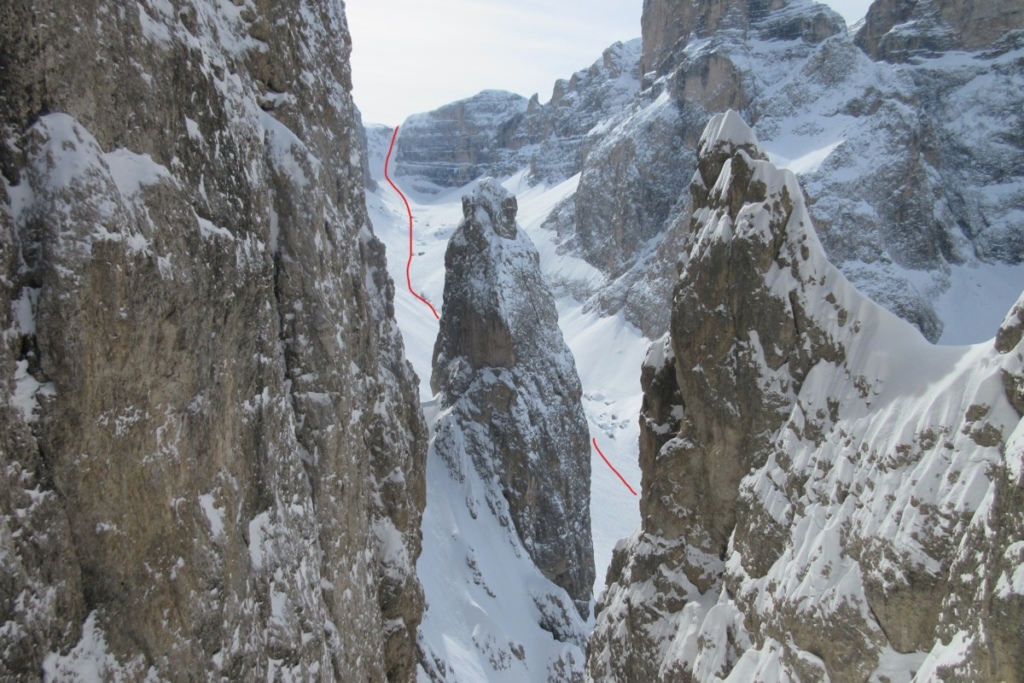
(825, 494)
(210, 442)
(668, 25)
(512, 395)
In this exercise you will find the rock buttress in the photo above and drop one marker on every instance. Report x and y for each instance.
(212, 453)
(504, 371)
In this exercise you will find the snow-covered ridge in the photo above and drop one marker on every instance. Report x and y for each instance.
(871, 511)
(910, 165)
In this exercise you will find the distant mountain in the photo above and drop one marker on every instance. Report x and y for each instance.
(497, 133)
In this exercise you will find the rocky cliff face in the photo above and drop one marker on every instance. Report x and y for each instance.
(668, 25)
(896, 30)
(212, 453)
(498, 133)
(824, 493)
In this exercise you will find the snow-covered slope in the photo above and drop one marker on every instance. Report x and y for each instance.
(827, 496)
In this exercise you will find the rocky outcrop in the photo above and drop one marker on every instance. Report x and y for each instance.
(210, 444)
(497, 133)
(508, 566)
(896, 30)
(821, 487)
(501, 366)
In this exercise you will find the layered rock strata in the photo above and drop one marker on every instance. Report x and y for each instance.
(825, 494)
(897, 30)
(211, 450)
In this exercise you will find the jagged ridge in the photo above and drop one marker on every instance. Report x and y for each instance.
(823, 489)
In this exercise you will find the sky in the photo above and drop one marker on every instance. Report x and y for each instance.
(411, 56)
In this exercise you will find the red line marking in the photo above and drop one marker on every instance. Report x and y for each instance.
(408, 210)
(621, 478)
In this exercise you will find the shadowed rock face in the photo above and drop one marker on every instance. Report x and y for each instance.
(211, 451)
(510, 384)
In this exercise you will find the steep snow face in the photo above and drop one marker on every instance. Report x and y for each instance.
(497, 133)
(511, 449)
(826, 494)
(211, 453)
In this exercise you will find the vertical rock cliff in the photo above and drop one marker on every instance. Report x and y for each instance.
(510, 460)
(211, 450)
(825, 494)
(896, 30)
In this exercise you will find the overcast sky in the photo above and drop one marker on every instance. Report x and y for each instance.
(410, 56)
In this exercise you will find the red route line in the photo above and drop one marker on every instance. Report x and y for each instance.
(621, 478)
(408, 210)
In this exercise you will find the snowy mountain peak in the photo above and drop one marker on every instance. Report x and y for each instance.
(726, 130)
(822, 487)
(496, 203)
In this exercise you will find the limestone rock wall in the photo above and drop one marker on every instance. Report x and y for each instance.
(895, 30)
(212, 451)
